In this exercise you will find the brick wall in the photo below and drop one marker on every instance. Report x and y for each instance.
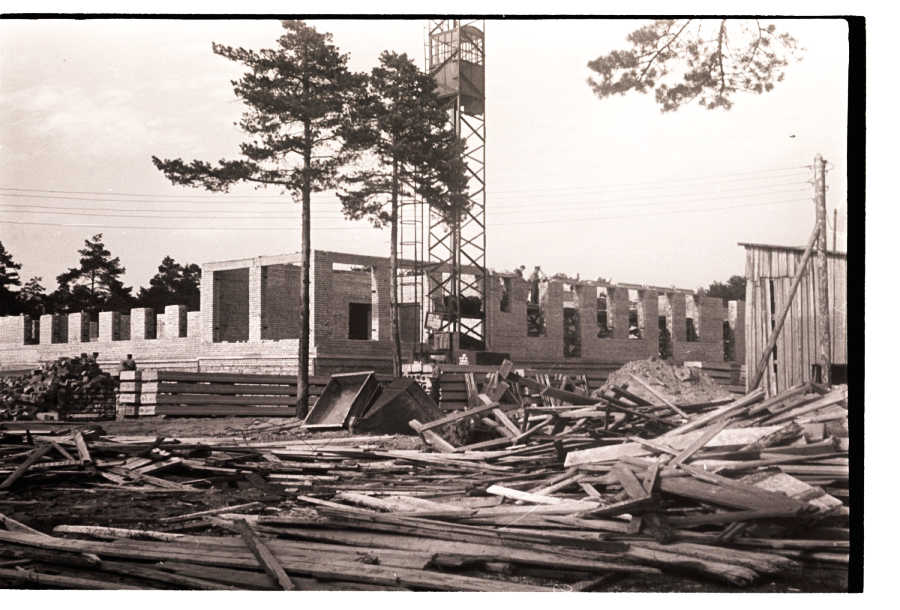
(277, 284)
(78, 327)
(710, 314)
(109, 328)
(280, 301)
(143, 324)
(333, 291)
(12, 329)
(175, 322)
(231, 304)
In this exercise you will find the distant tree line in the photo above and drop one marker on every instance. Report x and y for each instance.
(95, 284)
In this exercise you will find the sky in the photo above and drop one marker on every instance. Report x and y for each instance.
(608, 188)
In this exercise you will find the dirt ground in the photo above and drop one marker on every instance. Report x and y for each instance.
(44, 507)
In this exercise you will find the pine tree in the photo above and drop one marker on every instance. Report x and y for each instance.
(33, 297)
(173, 284)
(95, 283)
(9, 277)
(297, 97)
(708, 60)
(411, 149)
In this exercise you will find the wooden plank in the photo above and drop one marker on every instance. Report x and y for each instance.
(507, 422)
(833, 397)
(245, 579)
(213, 511)
(222, 410)
(698, 444)
(659, 396)
(749, 344)
(33, 457)
(471, 390)
(219, 388)
(727, 437)
(721, 495)
(629, 482)
(214, 399)
(431, 437)
(54, 580)
(797, 327)
(194, 377)
(522, 496)
(590, 490)
(726, 411)
(558, 557)
(83, 454)
(449, 419)
(15, 526)
(549, 391)
(782, 348)
(726, 517)
(312, 564)
(266, 559)
(617, 508)
(650, 478)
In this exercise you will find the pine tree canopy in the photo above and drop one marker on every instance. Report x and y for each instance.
(707, 60)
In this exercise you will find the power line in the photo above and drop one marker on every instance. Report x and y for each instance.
(518, 206)
(518, 210)
(291, 228)
(663, 213)
(242, 200)
(753, 175)
(662, 183)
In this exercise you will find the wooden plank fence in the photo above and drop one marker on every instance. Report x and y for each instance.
(185, 393)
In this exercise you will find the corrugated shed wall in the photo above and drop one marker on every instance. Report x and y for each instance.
(769, 273)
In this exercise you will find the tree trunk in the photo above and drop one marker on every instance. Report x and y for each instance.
(303, 355)
(395, 307)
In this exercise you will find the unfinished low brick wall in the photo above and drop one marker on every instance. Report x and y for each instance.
(508, 331)
(248, 322)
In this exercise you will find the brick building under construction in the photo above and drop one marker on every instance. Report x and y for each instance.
(248, 322)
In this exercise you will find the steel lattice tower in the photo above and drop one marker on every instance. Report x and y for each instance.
(457, 248)
(443, 261)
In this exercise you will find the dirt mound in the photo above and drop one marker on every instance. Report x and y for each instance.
(677, 384)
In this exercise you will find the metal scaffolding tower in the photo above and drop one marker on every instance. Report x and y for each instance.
(411, 273)
(442, 261)
(456, 266)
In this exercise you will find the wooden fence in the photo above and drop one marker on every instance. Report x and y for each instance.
(197, 394)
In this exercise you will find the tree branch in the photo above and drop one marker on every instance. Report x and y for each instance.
(664, 48)
(721, 66)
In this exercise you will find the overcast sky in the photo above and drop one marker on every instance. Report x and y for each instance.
(610, 188)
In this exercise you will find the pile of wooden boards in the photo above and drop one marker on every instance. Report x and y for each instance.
(449, 380)
(193, 394)
(576, 494)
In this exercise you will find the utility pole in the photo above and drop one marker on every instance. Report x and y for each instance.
(834, 232)
(822, 313)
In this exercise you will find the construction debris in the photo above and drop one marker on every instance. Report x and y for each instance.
(559, 495)
(660, 380)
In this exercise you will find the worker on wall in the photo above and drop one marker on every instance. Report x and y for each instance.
(128, 364)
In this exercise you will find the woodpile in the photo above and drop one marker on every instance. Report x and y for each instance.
(570, 493)
(67, 388)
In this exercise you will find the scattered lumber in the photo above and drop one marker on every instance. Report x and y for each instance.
(551, 491)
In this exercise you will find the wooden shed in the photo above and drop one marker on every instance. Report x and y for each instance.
(769, 272)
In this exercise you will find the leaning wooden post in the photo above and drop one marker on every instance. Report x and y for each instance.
(785, 308)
